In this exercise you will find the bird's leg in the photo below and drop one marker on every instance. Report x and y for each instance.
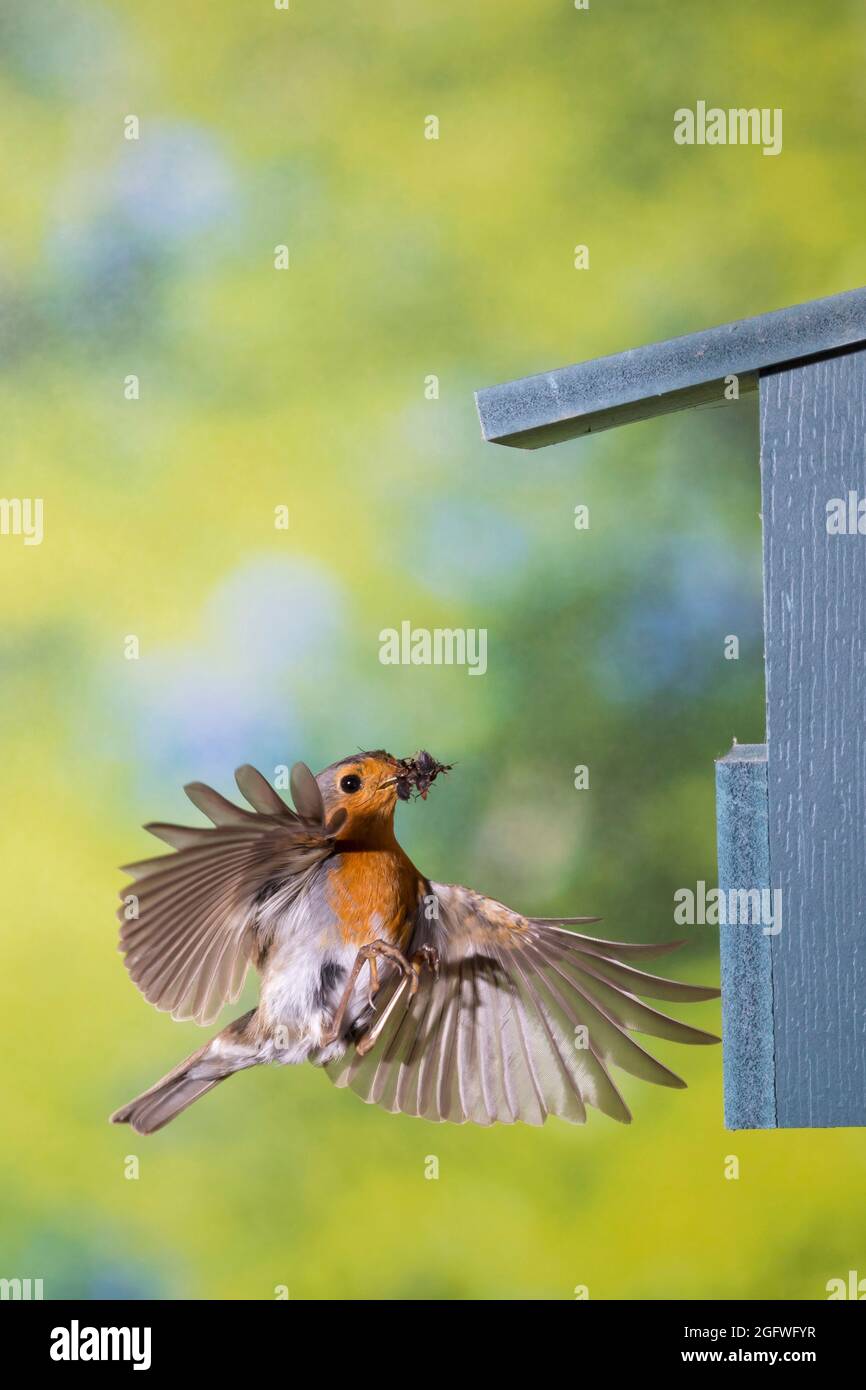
(425, 955)
(366, 954)
(374, 980)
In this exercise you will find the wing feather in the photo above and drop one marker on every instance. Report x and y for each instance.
(306, 794)
(618, 950)
(609, 1038)
(558, 1083)
(258, 791)
(215, 806)
(493, 1035)
(473, 1100)
(525, 1019)
(520, 1079)
(189, 938)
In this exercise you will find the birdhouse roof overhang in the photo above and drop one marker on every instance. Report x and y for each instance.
(664, 377)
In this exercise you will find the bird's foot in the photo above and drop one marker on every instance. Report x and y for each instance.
(373, 951)
(425, 956)
(429, 956)
(369, 954)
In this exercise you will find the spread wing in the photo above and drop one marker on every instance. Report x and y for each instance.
(188, 922)
(524, 1020)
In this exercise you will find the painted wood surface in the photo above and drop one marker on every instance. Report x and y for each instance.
(663, 377)
(748, 1044)
(813, 449)
(794, 1004)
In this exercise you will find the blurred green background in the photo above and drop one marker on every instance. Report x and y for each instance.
(306, 388)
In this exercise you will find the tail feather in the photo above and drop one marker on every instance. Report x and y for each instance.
(149, 1112)
(188, 1081)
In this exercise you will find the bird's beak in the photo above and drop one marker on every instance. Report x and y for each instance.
(422, 792)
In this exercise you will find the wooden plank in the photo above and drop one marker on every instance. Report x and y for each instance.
(664, 377)
(742, 816)
(813, 447)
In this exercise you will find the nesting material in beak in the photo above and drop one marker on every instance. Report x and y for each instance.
(417, 774)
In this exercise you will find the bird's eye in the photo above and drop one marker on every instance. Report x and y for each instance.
(350, 783)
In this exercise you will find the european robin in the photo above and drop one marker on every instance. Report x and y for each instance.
(422, 997)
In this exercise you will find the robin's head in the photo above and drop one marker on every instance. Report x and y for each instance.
(368, 787)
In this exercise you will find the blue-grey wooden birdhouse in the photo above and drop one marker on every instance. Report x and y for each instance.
(791, 812)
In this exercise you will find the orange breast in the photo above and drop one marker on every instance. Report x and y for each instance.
(374, 894)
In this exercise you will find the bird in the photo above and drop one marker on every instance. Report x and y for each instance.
(424, 998)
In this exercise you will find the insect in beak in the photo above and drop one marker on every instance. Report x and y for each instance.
(417, 774)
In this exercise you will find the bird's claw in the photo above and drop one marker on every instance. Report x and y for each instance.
(425, 956)
(410, 970)
(429, 956)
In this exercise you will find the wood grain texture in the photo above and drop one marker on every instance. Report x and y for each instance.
(813, 448)
(742, 819)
